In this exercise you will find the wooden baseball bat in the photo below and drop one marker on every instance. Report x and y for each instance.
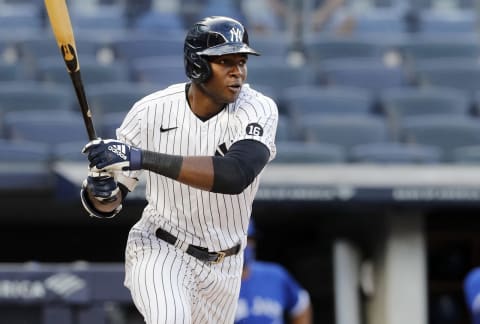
(62, 28)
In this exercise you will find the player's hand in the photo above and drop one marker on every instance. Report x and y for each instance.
(112, 155)
(102, 186)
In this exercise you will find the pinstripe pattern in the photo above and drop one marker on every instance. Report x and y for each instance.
(169, 286)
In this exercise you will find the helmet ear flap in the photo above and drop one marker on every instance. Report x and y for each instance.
(200, 70)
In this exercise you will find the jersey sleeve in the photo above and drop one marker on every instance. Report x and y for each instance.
(257, 119)
(130, 133)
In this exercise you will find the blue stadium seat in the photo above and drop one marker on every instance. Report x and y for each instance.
(286, 130)
(100, 20)
(159, 22)
(322, 48)
(367, 73)
(134, 46)
(159, 70)
(462, 74)
(394, 152)
(425, 47)
(344, 130)
(380, 20)
(229, 8)
(116, 97)
(44, 45)
(33, 96)
(49, 127)
(110, 122)
(69, 151)
(24, 18)
(53, 70)
(10, 72)
(467, 155)
(270, 45)
(444, 22)
(306, 100)
(404, 102)
(34, 47)
(278, 75)
(24, 166)
(302, 152)
(446, 132)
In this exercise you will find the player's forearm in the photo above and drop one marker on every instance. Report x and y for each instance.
(305, 317)
(195, 171)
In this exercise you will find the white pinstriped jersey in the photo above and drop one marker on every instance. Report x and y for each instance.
(163, 122)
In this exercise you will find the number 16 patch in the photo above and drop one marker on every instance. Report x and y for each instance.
(254, 129)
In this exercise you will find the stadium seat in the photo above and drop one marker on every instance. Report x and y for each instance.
(302, 152)
(10, 72)
(136, 46)
(8, 49)
(101, 21)
(462, 74)
(306, 100)
(116, 97)
(394, 152)
(448, 22)
(24, 166)
(367, 73)
(278, 75)
(322, 48)
(110, 122)
(24, 18)
(49, 127)
(53, 70)
(33, 96)
(467, 155)
(380, 20)
(270, 45)
(228, 8)
(35, 47)
(69, 151)
(159, 70)
(344, 130)
(434, 47)
(446, 132)
(399, 103)
(44, 45)
(159, 22)
(286, 130)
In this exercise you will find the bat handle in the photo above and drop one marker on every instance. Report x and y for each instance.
(86, 112)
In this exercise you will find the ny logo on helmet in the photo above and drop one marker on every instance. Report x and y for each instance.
(236, 35)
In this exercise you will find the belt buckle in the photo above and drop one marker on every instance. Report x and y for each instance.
(220, 257)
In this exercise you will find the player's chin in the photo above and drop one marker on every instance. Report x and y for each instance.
(233, 92)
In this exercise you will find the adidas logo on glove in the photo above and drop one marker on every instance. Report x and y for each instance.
(119, 150)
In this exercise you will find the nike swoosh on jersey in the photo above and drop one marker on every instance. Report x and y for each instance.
(167, 129)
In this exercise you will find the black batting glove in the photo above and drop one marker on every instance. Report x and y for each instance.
(102, 186)
(111, 155)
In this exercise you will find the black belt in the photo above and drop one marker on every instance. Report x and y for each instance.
(198, 252)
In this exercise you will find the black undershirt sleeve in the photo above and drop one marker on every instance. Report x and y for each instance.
(233, 172)
(237, 169)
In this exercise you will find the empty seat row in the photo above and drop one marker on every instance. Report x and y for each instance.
(447, 135)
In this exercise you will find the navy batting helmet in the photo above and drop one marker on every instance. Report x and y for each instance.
(213, 36)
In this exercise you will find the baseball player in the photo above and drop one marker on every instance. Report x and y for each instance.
(471, 291)
(269, 294)
(203, 145)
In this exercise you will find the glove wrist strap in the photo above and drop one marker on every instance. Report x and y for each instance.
(135, 158)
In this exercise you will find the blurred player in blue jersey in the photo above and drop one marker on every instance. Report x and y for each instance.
(471, 288)
(269, 294)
